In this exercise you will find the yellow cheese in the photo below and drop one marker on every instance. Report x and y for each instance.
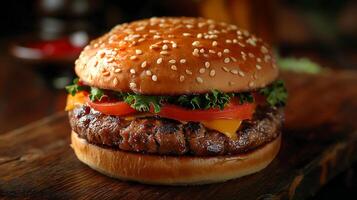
(136, 115)
(78, 99)
(225, 126)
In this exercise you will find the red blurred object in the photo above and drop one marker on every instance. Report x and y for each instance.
(56, 48)
(62, 49)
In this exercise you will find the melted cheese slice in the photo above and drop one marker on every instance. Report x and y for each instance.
(78, 99)
(226, 126)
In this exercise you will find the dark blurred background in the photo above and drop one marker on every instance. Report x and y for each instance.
(40, 39)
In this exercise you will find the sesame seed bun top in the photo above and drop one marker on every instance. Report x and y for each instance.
(177, 56)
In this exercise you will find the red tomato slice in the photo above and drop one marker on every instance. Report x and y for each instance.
(233, 111)
(119, 108)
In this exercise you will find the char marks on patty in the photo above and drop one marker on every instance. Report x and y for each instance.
(163, 136)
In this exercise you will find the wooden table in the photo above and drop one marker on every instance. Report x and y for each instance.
(319, 141)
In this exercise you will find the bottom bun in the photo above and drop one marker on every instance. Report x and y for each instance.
(173, 170)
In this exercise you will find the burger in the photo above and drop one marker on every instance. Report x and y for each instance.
(176, 101)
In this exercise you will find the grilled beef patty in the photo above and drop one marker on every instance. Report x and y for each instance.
(164, 136)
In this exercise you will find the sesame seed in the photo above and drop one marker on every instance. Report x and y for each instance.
(106, 73)
(132, 85)
(117, 70)
(259, 60)
(226, 51)
(225, 69)
(211, 51)
(212, 73)
(140, 28)
(227, 60)
(241, 73)
(251, 84)
(165, 41)
(264, 50)
(267, 58)
(219, 54)
(186, 34)
(207, 64)
(199, 35)
(214, 43)
(164, 52)
(251, 41)
(195, 43)
(154, 77)
(234, 71)
(245, 33)
(138, 52)
(173, 67)
(157, 37)
(233, 59)
(258, 67)
(182, 61)
(165, 47)
(143, 64)
(154, 46)
(172, 61)
(115, 81)
(174, 45)
(148, 73)
(132, 71)
(202, 70)
(188, 72)
(228, 41)
(251, 55)
(199, 80)
(235, 41)
(133, 57)
(182, 78)
(195, 52)
(141, 40)
(241, 44)
(159, 61)
(244, 56)
(189, 26)
(201, 24)
(202, 50)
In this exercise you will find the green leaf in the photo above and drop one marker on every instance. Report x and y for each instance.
(142, 103)
(245, 97)
(74, 88)
(214, 99)
(276, 93)
(96, 94)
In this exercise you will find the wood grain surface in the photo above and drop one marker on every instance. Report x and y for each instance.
(319, 141)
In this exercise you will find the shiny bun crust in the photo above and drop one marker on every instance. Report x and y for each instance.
(171, 170)
(177, 56)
